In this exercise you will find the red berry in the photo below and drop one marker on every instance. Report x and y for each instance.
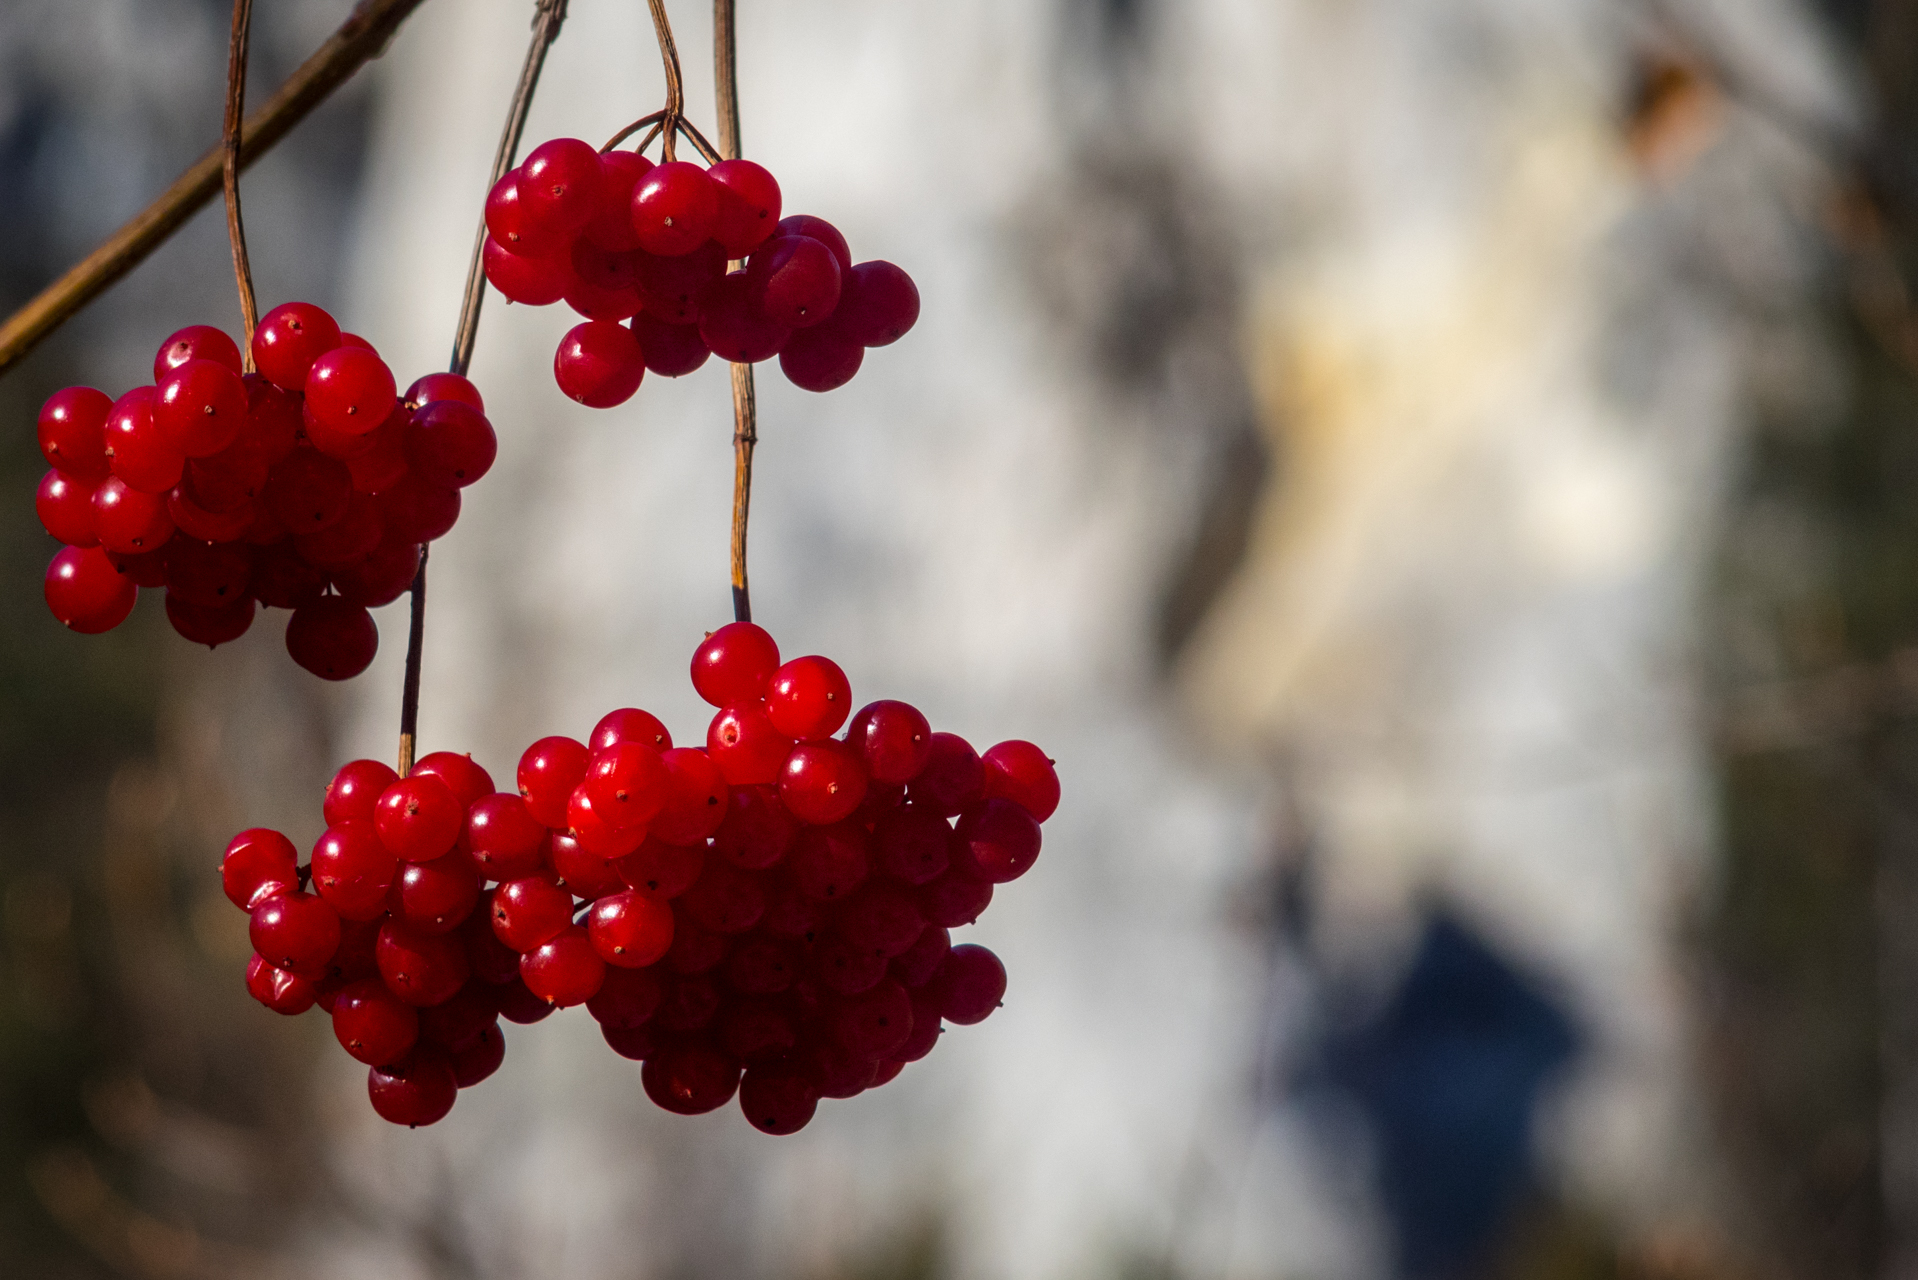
(348, 540)
(734, 664)
(762, 966)
(583, 873)
(628, 784)
(421, 968)
(689, 1003)
(419, 1089)
(748, 206)
(295, 931)
(208, 574)
(142, 569)
(226, 483)
(893, 739)
(450, 444)
(970, 985)
(790, 914)
(462, 1020)
(846, 968)
(875, 1023)
(86, 593)
(273, 419)
(355, 791)
(777, 1101)
(627, 998)
(822, 782)
(413, 511)
(809, 698)
(195, 342)
(210, 626)
(383, 577)
(280, 991)
(72, 430)
(913, 844)
(284, 580)
(725, 899)
(611, 227)
(599, 364)
(289, 339)
(594, 833)
(353, 870)
(506, 222)
(795, 280)
(884, 917)
(548, 773)
(698, 802)
(136, 449)
(757, 830)
(670, 288)
(492, 961)
(828, 863)
(732, 324)
(372, 1023)
(534, 281)
(529, 911)
(998, 839)
(741, 740)
(878, 304)
(437, 896)
(804, 224)
(564, 970)
(308, 491)
(350, 390)
(695, 949)
(919, 964)
(198, 523)
(419, 817)
(504, 836)
(332, 639)
(200, 407)
(955, 898)
(637, 1043)
(671, 350)
(689, 1078)
(461, 773)
(630, 929)
(630, 724)
(517, 1003)
(822, 358)
(259, 862)
(953, 778)
(926, 1029)
(674, 208)
(662, 871)
(65, 508)
(433, 387)
(479, 1059)
(836, 1074)
(559, 186)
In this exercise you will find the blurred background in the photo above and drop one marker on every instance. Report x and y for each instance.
(1434, 475)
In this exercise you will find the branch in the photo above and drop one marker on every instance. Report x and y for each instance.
(360, 38)
(230, 173)
(745, 401)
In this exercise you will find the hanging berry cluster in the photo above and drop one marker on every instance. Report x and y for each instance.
(767, 915)
(310, 485)
(619, 238)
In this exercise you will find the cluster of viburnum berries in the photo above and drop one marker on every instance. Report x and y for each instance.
(622, 239)
(310, 485)
(768, 914)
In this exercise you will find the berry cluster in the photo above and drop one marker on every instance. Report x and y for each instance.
(310, 485)
(767, 915)
(620, 238)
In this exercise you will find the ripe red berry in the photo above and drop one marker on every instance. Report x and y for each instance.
(564, 970)
(308, 491)
(595, 834)
(142, 569)
(674, 209)
(372, 1023)
(348, 540)
(611, 227)
(534, 281)
(413, 511)
(529, 911)
(725, 899)
(757, 830)
(671, 350)
(804, 224)
(437, 896)
(295, 931)
(627, 998)
(289, 339)
(926, 1029)
(662, 871)
(790, 915)
(809, 698)
(492, 961)
(828, 863)
(332, 639)
(741, 740)
(479, 1059)
(955, 898)
(419, 1089)
(822, 358)
(450, 444)
(504, 836)
(913, 844)
(998, 839)
(630, 724)
(630, 929)
(845, 968)
(280, 991)
(628, 784)
(207, 574)
(893, 739)
(733, 325)
(383, 577)
(689, 1077)
(874, 1024)
(599, 364)
(72, 429)
(419, 817)
(883, 916)
(584, 873)
(200, 407)
(670, 288)
(462, 1020)
(516, 1003)
(137, 451)
(970, 985)
(86, 592)
(548, 773)
(462, 775)
(350, 390)
(762, 966)
(920, 963)
(559, 184)
(1022, 773)
(227, 482)
(695, 949)
(441, 386)
(353, 870)
(506, 222)
(734, 664)
(878, 304)
(748, 206)
(822, 782)
(205, 526)
(953, 778)
(777, 1101)
(637, 1043)
(698, 802)
(210, 626)
(796, 281)
(259, 862)
(195, 342)
(689, 1003)
(421, 968)
(355, 791)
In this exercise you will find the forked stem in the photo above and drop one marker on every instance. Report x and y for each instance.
(230, 171)
(745, 402)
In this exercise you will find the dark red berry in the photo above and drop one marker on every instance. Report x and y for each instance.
(627, 998)
(670, 288)
(421, 968)
(671, 350)
(920, 963)
(955, 898)
(913, 844)
(725, 899)
(479, 1059)
(332, 639)
(822, 358)
(698, 802)
(878, 304)
(732, 324)
(662, 871)
(197, 522)
(599, 364)
(884, 916)
(308, 491)
(383, 577)
(970, 984)
(282, 579)
(611, 227)
(1022, 773)
(523, 278)
(414, 511)
(757, 830)
(828, 863)
(419, 1089)
(372, 1023)
(213, 626)
(690, 1077)
(998, 840)
(953, 778)
(804, 224)
(795, 280)
(516, 1003)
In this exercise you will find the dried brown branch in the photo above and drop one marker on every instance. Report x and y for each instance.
(230, 173)
(745, 402)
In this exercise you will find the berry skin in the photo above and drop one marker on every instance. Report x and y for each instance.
(207, 574)
(559, 186)
(732, 324)
(506, 222)
(999, 839)
(878, 304)
(953, 778)
(884, 917)
(671, 350)
(630, 724)
(504, 836)
(279, 990)
(689, 1004)
(913, 844)
(419, 818)
(259, 863)
(195, 342)
(564, 970)
(674, 209)
(421, 968)
(893, 739)
(413, 511)
(822, 782)
(435, 897)
(611, 227)
(920, 963)
(630, 929)
(442, 386)
(874, 1024)
(462, 1020)
(353, 870)
(462, 774)
(530, 911)
(419, 1089)
(970, 985)
(822, 358)
(595, 834)
(308, 491)
(670, 288)
(198, 523)
(72, 429)
(1022, 773)
(809, 698)
(828, 863)
(373, 1024)
(137, 451)
(742, 741)
(757, 830)
(734, 664)
(955, 898)
(289, 339)
(725, 899)
(628, 784)
(628, 998)
(698, 802)
(846, 969)
(804, 224)
(350, 390)
(481, 1058)
(383, 577)
(200, 407)
(355, 791)
(662, 871)
(332, 639)
(295, 931)
(348, 540)
(586, 874)
(599, 364)
(516, 1003)
(66, 509)
(796, 281)
(86, 593)
(536, 282)
(548, 773)
(636, 1043)
(696, 950)
(450, 444)
(762, 966)
(492, 961)
(748, 206)
(211, 627)
(689, 1078)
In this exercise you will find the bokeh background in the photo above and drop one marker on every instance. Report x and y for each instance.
(1438, 477)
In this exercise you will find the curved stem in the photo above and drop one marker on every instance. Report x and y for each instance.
(745, 402)
(632, 129)
(698, 139)
(230, 172)
(675, 88)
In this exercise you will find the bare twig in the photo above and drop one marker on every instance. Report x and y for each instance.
(745, 402)
(410, 695)
(359, 39)
(675, 88)
(230, 173)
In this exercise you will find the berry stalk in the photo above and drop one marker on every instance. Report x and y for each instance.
(745, 402)
(675, 88)
(230, 171)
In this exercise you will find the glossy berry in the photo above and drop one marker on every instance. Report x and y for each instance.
(421, 968)
(1022, 773)
(748, 206)
(548, 773)
(420, 1089)
(630, 724)
(822, 782)
(128, 521)
(65, 508)
(698, 802)
(433, 387)
(521, 278)
(795, 280)
(86, 592)
(734, 664)
(137, 451)
(804, 224)
(742, 741)
(284, 993)
(507, 224)
(878, 304)
(200, 407)
(953, 778)
(674, 209)
(1000, 840)
(894, 740)
(350, 390)
(823, 358)
(662, 871)
(210, 626)
(630, 929)
(564, 970)
(356, 790)
(419, 818)
(599, 364)
(258, 863)
(529, 911)
(504, 836)
(332, 639)
(559, 185)
(353, 870)
(670, 350)
(690, 1077)
(732, 324)
(971, 983)
(628, 783)
(460, 772)
(435, 897)
(72, 428)
(289, 339)
(611, 226)
(595, 833)
(479, 1059)
(296, 931)
(372, 1024)
(809, 698)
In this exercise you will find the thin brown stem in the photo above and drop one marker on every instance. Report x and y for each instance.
(745, 402)
(675, 87)
(415, 642)
(359, 39)
(634, 128)
(230, 172)
(698, 139)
